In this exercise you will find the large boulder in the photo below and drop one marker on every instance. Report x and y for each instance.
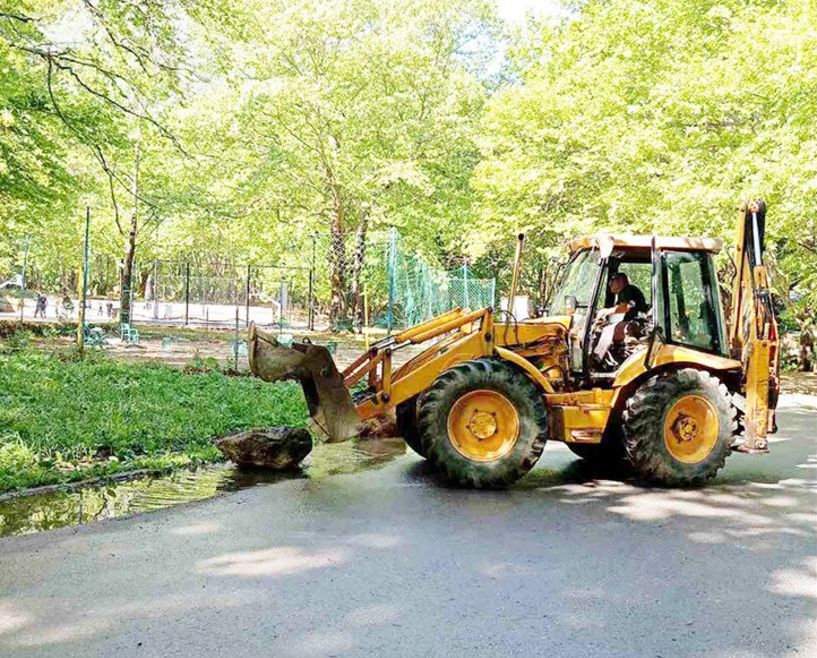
(275, 448)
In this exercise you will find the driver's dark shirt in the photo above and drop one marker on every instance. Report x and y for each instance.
(631, 293)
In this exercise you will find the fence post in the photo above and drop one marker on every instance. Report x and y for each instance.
(23, 282)
(392, 276)
(24, 278)
(133, 275)
(281, 305)
(235, 342)
(204, 307)
(186, 293)
(493, 291)
(156, 289)
(310, 324)
(311, 320)
(366, 316)
(247, 299)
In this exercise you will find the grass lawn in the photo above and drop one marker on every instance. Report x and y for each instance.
(63, 418)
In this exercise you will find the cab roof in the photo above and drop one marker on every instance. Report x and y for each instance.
(626, 241)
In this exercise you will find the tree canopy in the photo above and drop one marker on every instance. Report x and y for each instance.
(657, 117)
(237, 131)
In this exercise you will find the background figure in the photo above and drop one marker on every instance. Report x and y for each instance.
(39, 308)
(67, 305)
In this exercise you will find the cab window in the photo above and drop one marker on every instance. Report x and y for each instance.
(574, 296)
(576, 286)
(638, 271)
(693, 310)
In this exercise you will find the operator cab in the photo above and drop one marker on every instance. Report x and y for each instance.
(624, 292)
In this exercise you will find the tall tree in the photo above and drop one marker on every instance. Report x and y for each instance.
(364, 111)
(660, 116)
(89, 71)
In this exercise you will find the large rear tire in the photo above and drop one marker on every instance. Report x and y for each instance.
(678, 427)
(483, 424)
(406, 414)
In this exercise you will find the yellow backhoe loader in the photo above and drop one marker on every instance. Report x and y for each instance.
(633, 362)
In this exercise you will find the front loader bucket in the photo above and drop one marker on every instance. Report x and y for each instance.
(329, 401)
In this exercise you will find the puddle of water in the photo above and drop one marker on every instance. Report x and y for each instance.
(27, 514)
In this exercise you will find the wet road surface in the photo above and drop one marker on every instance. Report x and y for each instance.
(389, 562)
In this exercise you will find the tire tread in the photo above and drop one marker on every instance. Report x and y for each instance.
(643, 427)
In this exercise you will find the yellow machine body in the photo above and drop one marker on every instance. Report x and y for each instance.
(538, 347)
(580, 410)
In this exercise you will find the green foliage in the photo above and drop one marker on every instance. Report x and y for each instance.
(19, 340)
(657, 117)
(18, 463)
(65, 418)
(317, 117)
(260, 124)
(202, 365)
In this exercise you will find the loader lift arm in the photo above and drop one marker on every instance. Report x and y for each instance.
(463, 335)
(753, 333)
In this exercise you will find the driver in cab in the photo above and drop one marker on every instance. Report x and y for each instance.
(627, 299)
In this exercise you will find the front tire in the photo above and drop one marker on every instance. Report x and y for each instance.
(483, 424)
(406, 415)
(678, 427)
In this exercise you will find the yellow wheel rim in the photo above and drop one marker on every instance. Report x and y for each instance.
(483, 425)
(691, 429)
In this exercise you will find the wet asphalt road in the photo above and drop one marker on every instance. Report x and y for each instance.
(389, 562)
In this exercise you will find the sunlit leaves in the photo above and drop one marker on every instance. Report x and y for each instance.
(659, 116)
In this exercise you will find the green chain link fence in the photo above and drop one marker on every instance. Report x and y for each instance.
(417, 290)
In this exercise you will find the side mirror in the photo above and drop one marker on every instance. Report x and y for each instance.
(571, 304)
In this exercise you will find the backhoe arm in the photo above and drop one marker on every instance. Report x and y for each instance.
(753, 333)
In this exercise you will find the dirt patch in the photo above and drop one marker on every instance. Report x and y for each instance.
(181, 348)
(799, 382)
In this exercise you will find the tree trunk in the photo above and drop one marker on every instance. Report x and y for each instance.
(358, 259)
(337, 263)
(125, 296)
(543, 287)
(806, 350)
(126, 289)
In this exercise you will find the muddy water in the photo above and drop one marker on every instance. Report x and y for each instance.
(26, 514)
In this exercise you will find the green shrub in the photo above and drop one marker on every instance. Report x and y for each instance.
(15, 342)
(17, 461)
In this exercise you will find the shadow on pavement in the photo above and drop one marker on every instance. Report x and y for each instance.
(569, 563)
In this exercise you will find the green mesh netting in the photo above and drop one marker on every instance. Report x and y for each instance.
(421, 291)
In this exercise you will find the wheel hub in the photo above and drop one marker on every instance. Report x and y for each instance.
(483, 425)
(691, 428)
(685, 428)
